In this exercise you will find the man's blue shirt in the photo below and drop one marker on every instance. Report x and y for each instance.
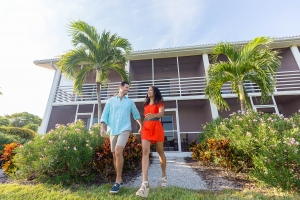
(116, 114)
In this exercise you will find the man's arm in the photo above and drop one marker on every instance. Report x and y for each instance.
(136, 116)
(103, 129)
(139, 121)
(104, 119)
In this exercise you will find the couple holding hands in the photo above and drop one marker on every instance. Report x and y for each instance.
(116, 116)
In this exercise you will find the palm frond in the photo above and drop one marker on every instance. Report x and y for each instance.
(121, 71)
(218, 75)
(266, 84)
(227, 49)
(83, 41)
(122, 43)
(70, 61)
(80, 78)
(81, 27)
(250, 50)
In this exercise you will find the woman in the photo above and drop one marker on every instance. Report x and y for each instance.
(152, 132)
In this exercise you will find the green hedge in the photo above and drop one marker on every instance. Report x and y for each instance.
(7, 139)
(21, 132)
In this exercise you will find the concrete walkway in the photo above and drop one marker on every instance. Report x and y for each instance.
(3, 177)
(178, 172)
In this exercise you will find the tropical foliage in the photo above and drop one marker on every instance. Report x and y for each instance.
(94, 53)
(63, 155)
(254, 62)
(257, 143)
(72, 154)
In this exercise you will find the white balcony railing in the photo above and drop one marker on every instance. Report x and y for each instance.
(174, 87)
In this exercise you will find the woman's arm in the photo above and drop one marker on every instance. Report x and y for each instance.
(160, 114)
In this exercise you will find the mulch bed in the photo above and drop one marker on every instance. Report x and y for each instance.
(217, 178)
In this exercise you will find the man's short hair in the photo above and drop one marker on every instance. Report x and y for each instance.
(124, 82)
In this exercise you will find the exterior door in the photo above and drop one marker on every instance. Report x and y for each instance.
(169, 122)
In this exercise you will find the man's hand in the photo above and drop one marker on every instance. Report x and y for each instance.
(103, 133)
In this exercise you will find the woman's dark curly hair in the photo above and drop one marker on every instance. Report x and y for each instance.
(157, 96)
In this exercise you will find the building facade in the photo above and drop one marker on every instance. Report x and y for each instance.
(180, 75)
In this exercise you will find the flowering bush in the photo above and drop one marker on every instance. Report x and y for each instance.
(62, 155)
(262, 142)
(279, 163)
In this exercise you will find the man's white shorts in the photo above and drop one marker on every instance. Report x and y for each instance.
(120, 140)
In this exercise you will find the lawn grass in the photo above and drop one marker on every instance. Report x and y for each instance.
(17, 191)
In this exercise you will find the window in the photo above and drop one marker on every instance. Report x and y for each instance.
(167, 122)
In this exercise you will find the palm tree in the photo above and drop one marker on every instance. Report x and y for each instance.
(94, 53)
(254, 62)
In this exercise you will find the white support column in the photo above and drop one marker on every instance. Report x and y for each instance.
(127, 66)
(213, 107)
(296, 54)
(92, 116)
(43, 128)
(178, 76)
(178, 128)
(76, 113)
(152, 71)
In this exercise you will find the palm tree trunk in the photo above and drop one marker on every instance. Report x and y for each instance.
(242, 98)
(98, 89)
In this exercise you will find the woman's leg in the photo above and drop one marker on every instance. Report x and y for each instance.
(162, 157)
(145, 159)
(144, 189)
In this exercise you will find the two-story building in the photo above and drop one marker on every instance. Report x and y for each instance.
(180, 75)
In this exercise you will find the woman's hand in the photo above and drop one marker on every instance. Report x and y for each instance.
(149, 116)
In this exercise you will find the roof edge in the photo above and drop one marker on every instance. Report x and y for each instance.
(198, 49)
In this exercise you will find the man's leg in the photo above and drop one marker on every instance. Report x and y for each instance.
(119, 162)
(118, 144)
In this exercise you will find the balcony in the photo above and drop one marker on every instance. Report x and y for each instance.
(288, 82)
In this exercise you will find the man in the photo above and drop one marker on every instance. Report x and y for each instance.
(116, 115)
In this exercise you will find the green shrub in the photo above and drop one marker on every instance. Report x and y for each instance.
(62, 155)
(218, 151)
(21, 132)
(4, 121)
(279, 164)
(33, 127)
(7, 139)
(103, 160)
(254, 138)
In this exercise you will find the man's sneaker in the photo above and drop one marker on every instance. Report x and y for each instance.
(115, 189)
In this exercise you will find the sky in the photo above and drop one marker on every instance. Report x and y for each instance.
(36, 29)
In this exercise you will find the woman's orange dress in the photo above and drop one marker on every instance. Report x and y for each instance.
(153, 130)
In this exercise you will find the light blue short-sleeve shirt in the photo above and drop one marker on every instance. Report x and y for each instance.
(116, 114)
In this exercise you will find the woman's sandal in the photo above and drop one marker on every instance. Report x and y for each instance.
(144, 189)
(164, 181)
